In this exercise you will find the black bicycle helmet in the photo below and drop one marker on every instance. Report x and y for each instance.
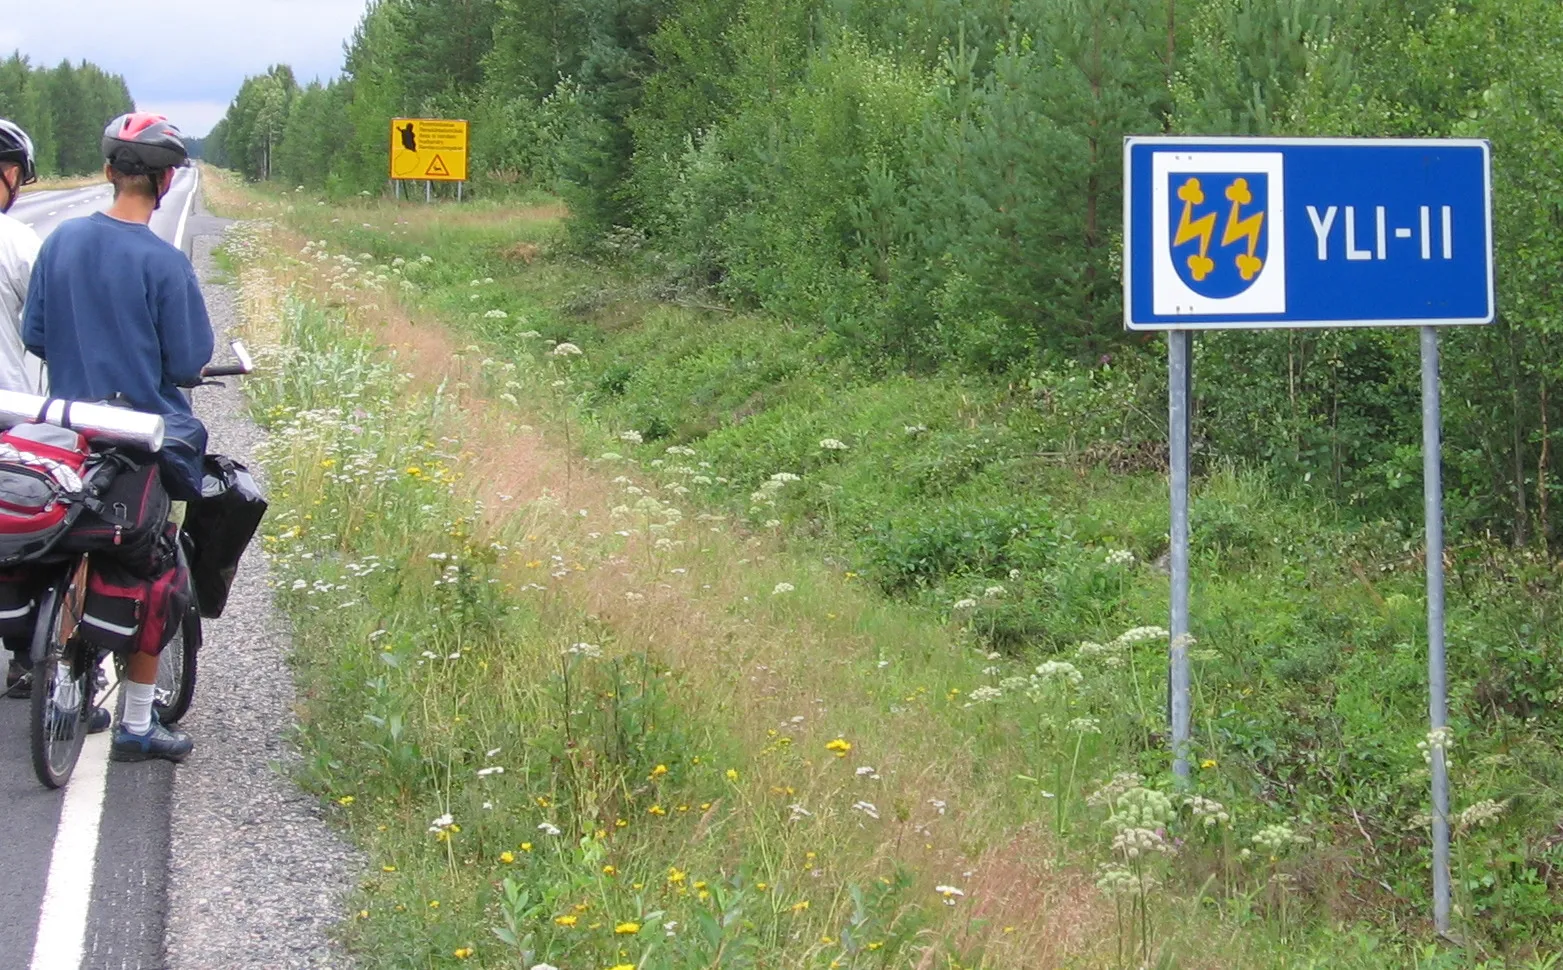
(142, 143)
(17, 148)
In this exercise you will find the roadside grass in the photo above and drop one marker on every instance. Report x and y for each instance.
(58, 184)
(994, 695)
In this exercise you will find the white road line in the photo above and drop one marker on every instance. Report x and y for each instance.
(179, 231)
(62, 921)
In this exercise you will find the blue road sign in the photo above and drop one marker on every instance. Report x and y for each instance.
(1306, 232)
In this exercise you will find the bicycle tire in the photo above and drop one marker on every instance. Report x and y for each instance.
(176, 668)
(57, 741)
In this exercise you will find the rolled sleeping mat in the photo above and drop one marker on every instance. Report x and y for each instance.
(95, 422)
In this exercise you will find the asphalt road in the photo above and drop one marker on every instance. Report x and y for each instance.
(107, 888)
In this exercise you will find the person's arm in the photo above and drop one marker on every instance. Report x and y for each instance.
(33, 311)
(184, 329)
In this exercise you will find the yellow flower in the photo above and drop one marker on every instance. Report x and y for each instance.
(703, 895)
(675, 876)
(621, 823)
(761, 886)
(507, 857)
(461, 953)
(363, 914)
(414, 471)
(627, 929)
(705, 806)
(656, 810)
(683, 808)
(800, 905)
(732, 774)
(840, 746)
(346, 800)
(542, 801)
(700, 884)
(434, 904)
(1208, 763)
(659, 771)
(526, 847)
(877, 944)
(567, 920)
(826, 940)
(387, 868)
(622, 966)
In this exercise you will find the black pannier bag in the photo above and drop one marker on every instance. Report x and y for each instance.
(219, 526)
(129, 613)
(18, 602)
(126, 518)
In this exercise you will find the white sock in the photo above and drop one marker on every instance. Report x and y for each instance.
(138, 707)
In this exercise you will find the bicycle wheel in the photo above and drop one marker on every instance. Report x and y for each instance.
(176, 668)
(62, 696)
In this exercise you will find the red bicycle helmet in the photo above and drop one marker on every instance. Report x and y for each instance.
(142, 143)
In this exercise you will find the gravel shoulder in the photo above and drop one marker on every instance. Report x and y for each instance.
(257, 876)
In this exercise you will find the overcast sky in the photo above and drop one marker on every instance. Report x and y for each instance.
(184, 58)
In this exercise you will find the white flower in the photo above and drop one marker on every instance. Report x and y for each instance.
(950, 894)
(566, 350)
(782, 588)
(633, 437)
(831, 444)
(544, 966)
(965, 604)
(1058, 670)
(590, 650)
(785, 477)
(993, 592)
(548, 828)
(981, 695)
(1140, 633)
(1120, 557)
(914, 429)
(442, 823)
(495, 315)
(867, 808)
(866, 772)
(491, 770)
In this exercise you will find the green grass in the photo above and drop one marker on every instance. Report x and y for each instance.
(1310, 671)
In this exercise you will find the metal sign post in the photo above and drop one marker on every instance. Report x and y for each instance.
(1178, 387)
(1250, 233)
(1438, 690)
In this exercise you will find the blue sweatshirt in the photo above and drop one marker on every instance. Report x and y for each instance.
(112, 308)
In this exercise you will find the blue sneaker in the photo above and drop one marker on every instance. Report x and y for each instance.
(157, 742)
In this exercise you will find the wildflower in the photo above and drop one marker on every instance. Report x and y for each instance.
(656, 810)
(1275, 838)
(526, 847)
(950, 894)
(1063, 670)
(507, 857)
(434, 904)
(1480, 815)
(627, 929)
(566, 350)
(675, 876)
(609, 871)
(981, 695)
(965, 604)
(495, 315)
(633, 437)
(784, 477)
(548, 828)
(1085, 725)
(831, 444)
(1208, 811)
(462, 952)
(800, 905)
(1120, 557)
(544, 966)
(387, 868)
(1207, 764)
(840, 746)
(782, 588)
(867, 808)
(491, 770)
(1141, 633)
(993, 592)
(865, 771)
(659, 771)
(443, 823)
(345, 800)
(732, 774)
(567, 920)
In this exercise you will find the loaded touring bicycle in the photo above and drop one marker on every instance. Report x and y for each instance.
(92, 568)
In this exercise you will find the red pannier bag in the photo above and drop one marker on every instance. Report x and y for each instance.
(126, 612)
(42, 480)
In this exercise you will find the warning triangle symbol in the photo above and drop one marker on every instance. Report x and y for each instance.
(437, 167)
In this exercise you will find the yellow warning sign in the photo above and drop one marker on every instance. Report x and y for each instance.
(429, 148)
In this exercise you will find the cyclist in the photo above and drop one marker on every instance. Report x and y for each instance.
(115, 310)
(18, 250)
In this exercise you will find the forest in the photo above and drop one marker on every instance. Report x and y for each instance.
(63, 109)
(937, 184)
